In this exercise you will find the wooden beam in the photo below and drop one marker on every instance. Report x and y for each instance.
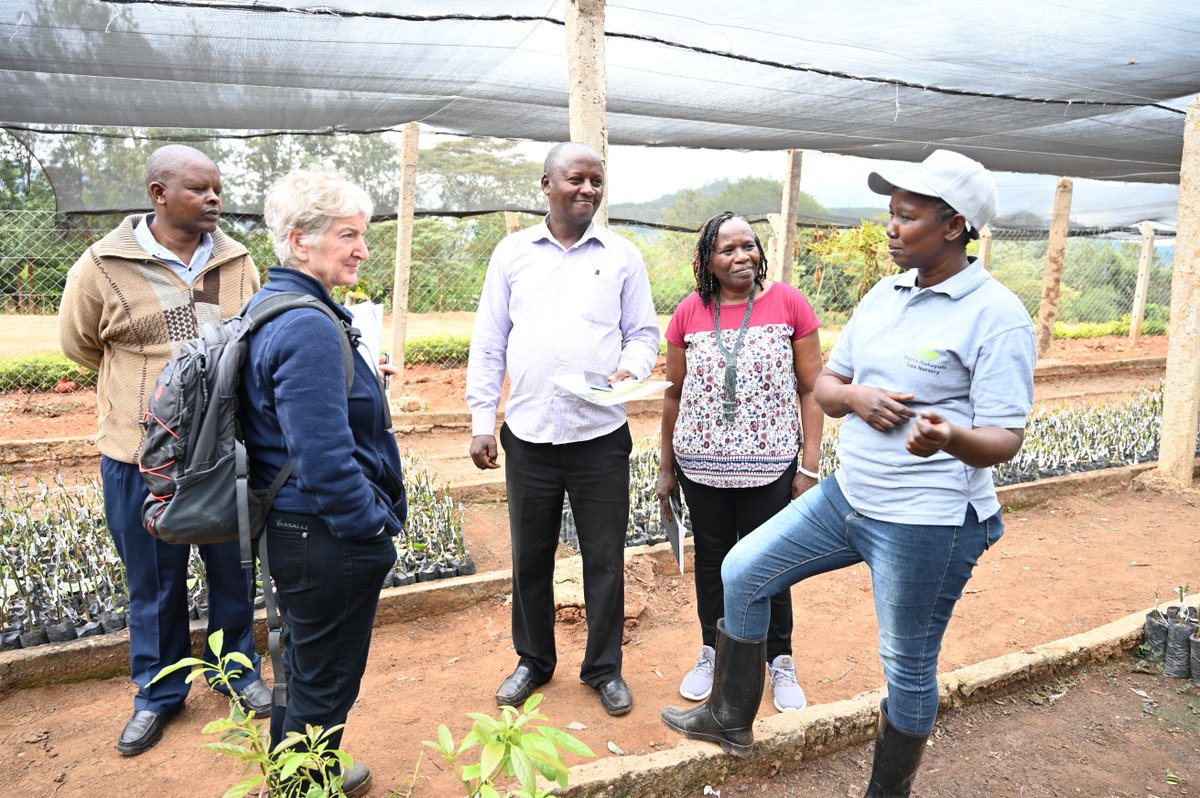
(790, 211)
(1181, 385)
(774, 259)
(403, 261)
(1143, 282)
(985, 247)
(1052, 277)
(512, 221)
(587, 83)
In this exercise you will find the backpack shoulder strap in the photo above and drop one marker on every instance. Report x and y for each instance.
(275, 304)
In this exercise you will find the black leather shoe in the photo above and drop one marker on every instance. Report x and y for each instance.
(256, 697)
(143, 730)
(357, 782)
(517, 688)
(615, 697)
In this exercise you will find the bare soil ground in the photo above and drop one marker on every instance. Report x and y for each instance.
(1065, 566)
(1108, 732)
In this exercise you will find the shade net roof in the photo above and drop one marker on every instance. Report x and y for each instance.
(1063, 87)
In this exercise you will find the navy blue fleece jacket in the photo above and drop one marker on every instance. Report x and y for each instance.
(345, 463)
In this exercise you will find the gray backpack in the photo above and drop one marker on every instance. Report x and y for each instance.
(193, 454)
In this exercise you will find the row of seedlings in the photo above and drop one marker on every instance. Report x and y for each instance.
(60, 576)
(431, 546)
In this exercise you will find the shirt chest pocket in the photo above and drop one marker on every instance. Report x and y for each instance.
(597, 294)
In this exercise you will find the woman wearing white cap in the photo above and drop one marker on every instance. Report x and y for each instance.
(934, 377)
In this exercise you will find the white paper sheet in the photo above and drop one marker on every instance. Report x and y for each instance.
(368, 318)
(622, 392)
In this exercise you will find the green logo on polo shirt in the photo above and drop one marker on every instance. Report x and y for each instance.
(927, 354)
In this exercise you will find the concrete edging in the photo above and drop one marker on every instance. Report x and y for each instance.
(826, 728)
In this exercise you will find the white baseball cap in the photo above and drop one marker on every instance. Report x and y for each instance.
(963, 183)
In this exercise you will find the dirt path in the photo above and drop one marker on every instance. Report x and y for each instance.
(1069, 565)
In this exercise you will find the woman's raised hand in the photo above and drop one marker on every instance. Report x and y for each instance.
(882, 410)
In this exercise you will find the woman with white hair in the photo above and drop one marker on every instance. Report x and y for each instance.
(329, 532)
(933, 375)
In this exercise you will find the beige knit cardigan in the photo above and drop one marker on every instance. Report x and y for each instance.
(124, 315)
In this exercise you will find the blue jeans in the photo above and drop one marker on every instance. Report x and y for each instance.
(156, 576)
(917, 574)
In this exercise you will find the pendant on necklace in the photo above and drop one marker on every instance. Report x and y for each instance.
(728, 402)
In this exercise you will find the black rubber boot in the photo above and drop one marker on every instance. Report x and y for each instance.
(897, 757)
(727, 717)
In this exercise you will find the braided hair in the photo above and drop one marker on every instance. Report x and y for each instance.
(706, 284)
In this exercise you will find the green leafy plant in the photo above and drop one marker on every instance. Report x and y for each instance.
(511, 745)
(300, 766)
(862, 252)
(442, 350)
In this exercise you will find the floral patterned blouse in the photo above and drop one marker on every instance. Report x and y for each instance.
(765, 436)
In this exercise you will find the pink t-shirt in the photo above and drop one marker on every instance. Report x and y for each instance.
(765, 436)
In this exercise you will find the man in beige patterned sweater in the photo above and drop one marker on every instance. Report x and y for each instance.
(131, 300)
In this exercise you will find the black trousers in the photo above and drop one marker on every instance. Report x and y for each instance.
(720, 518)
(595, 476)
(328, 590)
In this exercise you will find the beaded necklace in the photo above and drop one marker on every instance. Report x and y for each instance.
(728, 401)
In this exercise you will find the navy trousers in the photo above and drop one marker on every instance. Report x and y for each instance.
(595, 476)
(156, 576)
(328, 590)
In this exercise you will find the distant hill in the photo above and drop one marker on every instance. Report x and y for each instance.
(753, 196)
(650, 211)
(873, 214)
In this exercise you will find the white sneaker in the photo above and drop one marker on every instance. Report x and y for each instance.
(788, 694)
(697, 684)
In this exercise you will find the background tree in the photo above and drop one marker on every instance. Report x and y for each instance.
(477, 173)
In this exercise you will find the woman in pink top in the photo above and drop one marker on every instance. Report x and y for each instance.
(730, 429)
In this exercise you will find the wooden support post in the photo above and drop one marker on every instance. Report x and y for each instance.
(586, 78)
(1052, 278)
(1181, 385)
(403, 260)
(512, 222)
(1143, 282)
(790, 211)
(774, 246)
(985, 247)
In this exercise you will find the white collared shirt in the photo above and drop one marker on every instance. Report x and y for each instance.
(187, 271)
(546, 310)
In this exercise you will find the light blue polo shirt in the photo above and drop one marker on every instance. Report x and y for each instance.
(187, 271)
(963, 348)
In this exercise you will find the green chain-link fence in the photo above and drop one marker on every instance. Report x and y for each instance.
(450, 257)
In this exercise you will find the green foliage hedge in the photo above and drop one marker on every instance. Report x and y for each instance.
(438, 350)
(1091, 329)
(42, 373)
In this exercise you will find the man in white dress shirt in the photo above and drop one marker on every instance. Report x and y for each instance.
(562, 297)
